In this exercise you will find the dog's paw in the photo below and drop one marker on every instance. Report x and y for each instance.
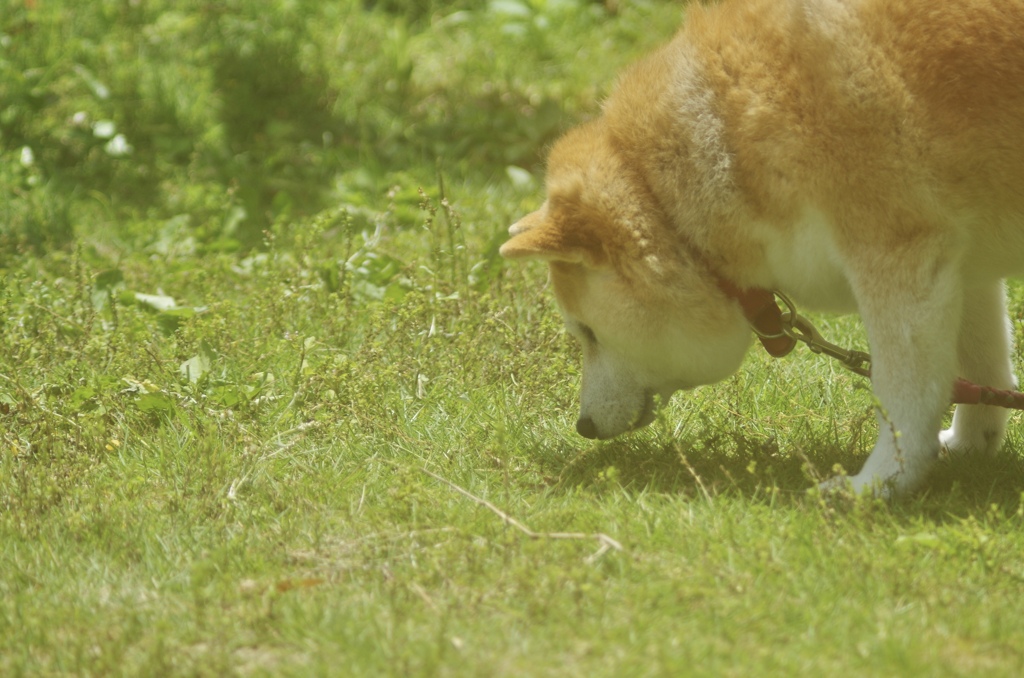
(951, 446)
(851, 488)
(835, 486)
(956, 446)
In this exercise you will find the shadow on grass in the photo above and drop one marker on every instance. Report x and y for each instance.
(724, 464)
(758, 470)
(967, 486)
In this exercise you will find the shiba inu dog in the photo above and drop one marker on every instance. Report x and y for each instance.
(857, 155)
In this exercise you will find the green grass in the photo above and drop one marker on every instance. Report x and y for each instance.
(236, 484)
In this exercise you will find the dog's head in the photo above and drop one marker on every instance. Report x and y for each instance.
(649, 316)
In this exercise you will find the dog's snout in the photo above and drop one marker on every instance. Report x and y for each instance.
(586, 427)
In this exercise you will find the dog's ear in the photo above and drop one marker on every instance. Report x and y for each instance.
(530, 221)
(540, 235)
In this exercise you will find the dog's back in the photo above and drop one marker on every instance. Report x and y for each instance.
(896, 99)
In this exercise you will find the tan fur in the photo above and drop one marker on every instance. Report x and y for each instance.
(858, 154)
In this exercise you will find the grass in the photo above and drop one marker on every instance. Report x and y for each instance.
(260, 372)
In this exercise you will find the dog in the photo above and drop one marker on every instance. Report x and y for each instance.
(857, 155)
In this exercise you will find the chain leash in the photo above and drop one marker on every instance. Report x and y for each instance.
(799, 328)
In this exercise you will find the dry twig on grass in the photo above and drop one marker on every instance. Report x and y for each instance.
(604, 540)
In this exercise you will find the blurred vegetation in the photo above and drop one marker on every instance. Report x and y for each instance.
(236, 115)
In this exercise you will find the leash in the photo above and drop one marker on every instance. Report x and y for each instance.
(779, 332)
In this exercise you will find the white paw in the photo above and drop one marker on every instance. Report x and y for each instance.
(952, 446)
(984, 442)
(859, 486)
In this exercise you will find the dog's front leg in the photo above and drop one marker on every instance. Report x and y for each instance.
(983, 354)
(908, 306)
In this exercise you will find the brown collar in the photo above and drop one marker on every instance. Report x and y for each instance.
(764, 316)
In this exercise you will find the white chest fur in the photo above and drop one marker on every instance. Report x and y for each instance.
(803, 261)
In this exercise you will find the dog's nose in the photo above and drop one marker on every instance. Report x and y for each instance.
(586, 427)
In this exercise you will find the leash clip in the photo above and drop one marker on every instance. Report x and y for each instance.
(799, 328)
